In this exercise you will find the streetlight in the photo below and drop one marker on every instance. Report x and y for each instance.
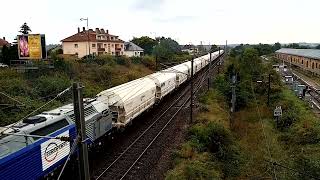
(87, 19)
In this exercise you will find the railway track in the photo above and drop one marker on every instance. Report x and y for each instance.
(139, 154)
(313, 92)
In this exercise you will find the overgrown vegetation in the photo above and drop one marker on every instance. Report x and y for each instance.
(211, 151)
(257, 146)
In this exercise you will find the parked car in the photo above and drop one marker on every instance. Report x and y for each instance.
(3, 65)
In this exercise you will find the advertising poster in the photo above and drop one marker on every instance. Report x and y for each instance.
(30, 46)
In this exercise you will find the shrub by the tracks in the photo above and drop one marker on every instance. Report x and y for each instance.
(211, 151)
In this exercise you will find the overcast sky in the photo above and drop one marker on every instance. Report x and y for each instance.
(214, 21)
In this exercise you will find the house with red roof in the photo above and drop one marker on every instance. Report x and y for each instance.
(95, 42)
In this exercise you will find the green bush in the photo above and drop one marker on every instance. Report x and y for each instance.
(307, 163)
(306, 132)
(149, 62)
(123, 60)
(218, 140)
(48, 85)
(195, 170)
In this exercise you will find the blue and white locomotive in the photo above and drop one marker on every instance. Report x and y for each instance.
(23, 157)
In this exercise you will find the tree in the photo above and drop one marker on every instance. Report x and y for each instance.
(25, 29)
(9, 53)
(214, 48)
(166, 49)
(145, 43)
(276, 46)
(263, 49)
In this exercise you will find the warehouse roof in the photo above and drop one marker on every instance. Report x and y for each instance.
(310, 53)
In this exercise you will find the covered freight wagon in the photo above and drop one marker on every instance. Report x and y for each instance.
(129, 100)
(165, 82)
(181, 71)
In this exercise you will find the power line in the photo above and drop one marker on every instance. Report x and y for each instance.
(60, 94)
(13, 99)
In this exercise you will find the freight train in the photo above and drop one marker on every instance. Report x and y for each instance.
(36, 156)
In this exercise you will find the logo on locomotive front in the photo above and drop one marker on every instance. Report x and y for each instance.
(53, 150)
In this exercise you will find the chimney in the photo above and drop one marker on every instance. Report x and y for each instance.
(97, 30)
(102, 31)
(4, 38)
(78, 29)
(83, 29)
(107, 31)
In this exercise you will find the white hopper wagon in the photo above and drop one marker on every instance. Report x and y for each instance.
(181, 71)
(165, 82)
(129, 100)
(197, 65)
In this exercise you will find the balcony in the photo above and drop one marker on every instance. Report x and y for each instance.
(118, 49)
(101, 49)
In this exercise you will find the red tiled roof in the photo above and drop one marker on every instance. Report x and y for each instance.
(83, 36)
(3, 42)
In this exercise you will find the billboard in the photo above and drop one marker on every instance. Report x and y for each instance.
(31, 46)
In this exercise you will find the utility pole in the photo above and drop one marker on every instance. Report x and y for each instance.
(81, 130)
(269, 89)
(209, 72)
(191, 89)
(88, 34)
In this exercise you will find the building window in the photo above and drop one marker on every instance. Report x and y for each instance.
(121, 45)
(105, 45)
(93, 45)
(112, 45)
(75, 45)
(112, 53)
(302, 61)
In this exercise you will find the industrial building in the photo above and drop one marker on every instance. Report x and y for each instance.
(306, 59)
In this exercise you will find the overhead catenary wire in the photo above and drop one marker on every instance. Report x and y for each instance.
(57, 96)
(13, 99)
